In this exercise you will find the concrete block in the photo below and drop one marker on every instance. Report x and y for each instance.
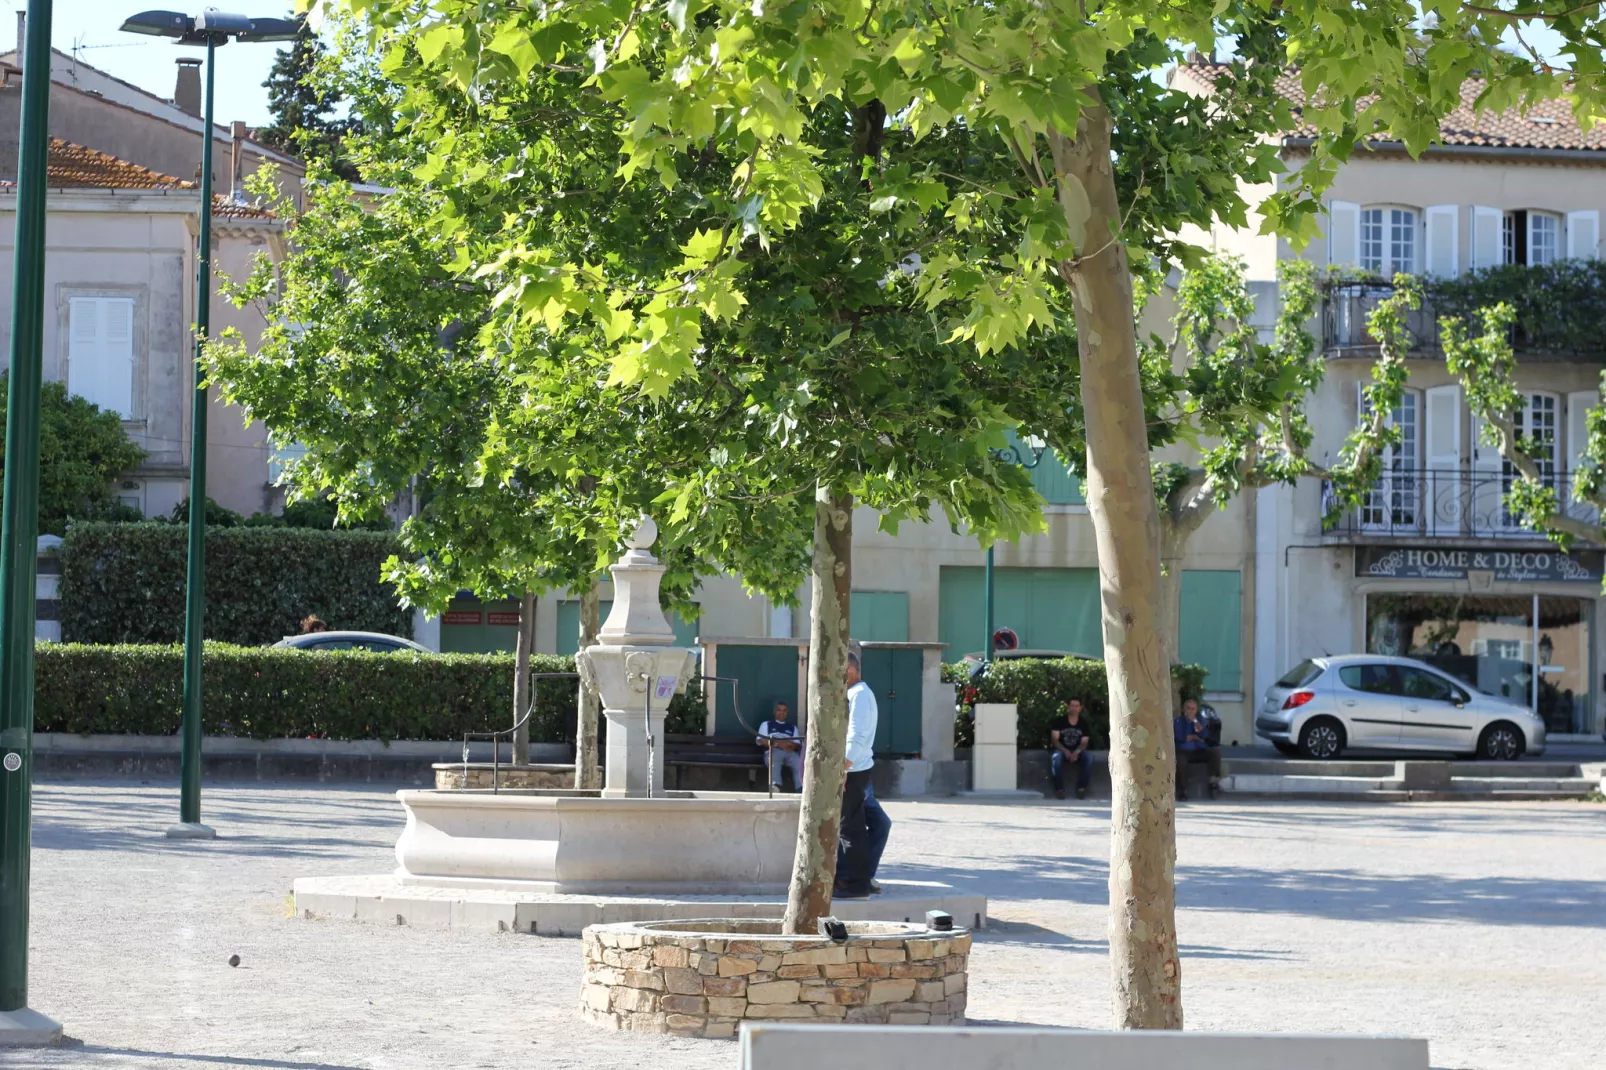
(992, 767)
(995, 723)
(1416, 776)
(24, 1028)
(870, 1047)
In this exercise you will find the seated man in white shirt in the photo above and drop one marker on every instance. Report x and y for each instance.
(783, 747)
(854, 866)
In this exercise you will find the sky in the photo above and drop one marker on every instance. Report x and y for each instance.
(148, 62)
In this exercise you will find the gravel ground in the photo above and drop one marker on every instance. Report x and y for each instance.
(1480, 926)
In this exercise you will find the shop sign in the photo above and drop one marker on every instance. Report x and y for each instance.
(1451, 563)
(461, 616)
(502, 618)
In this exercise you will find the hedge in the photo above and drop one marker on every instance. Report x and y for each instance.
(275, 693)
(124, 583)
(1040, 687)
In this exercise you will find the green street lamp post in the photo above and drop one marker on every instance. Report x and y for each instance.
(19, 532)
(210, 29)
(1011, 454)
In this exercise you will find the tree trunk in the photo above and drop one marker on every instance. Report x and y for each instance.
(1126, 527)
(825, 754)
(587, 768)
(523, 646)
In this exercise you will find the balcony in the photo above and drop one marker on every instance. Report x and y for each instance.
(1444, 503)
(1559, 309)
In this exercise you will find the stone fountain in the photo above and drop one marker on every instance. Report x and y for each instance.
(633, 837)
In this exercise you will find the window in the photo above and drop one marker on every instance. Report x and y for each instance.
(1414, 683)
(1536, 427)
(1529, 237)
(1544, 238)
(100, 352)
(1372, 679)
(1394, 503)
(1388, 240)
(1300, 674)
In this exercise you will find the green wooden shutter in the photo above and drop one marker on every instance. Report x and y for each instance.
(1052, 479)
(880, 616)
(1049, 608)
(1212, 607)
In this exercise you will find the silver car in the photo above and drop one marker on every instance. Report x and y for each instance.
(377, 642)
(1373, 702)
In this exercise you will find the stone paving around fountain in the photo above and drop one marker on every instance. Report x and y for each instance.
(1477, 925)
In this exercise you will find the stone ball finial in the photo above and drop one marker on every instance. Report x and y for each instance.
(645, 535)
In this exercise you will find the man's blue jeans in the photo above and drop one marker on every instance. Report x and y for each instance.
(1084, 769)
(880, 826)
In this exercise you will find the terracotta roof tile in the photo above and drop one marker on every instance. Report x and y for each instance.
(70, 166)
(1548, 125)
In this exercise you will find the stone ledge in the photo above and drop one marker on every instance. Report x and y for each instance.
(701, 977)
(385, 900)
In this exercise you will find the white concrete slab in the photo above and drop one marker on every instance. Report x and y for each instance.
(868, 1047)
(385, 900)
(28, 1029)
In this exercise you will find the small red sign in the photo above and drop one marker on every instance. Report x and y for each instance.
(461, 616)
(503, 617)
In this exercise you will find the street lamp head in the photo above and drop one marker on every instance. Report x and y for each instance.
(160, 24)
(211, 25)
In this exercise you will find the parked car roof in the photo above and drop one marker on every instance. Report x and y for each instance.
(319, 638)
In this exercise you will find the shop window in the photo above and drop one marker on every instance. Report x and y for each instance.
(1488, 643)
(1210, 630)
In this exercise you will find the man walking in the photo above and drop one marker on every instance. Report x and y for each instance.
(782, 748)
(853, 862)
(1068, 740)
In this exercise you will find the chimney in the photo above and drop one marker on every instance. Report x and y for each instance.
(22, 34)
(237, 161)
(187, 93)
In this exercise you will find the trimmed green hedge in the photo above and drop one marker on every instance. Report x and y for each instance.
(1039, 688)
(124, 583)
(275, 693)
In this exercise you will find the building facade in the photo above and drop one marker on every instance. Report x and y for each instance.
(1433, 565)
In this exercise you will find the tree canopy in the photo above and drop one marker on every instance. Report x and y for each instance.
(83, 450)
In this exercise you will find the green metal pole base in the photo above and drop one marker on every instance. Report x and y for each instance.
(28, 1029)
(191, 830)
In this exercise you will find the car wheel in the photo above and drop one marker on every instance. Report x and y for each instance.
(1285, 747)
(1321, 738)
(1501, 742)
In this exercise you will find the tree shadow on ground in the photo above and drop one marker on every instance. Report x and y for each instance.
(1025, 934)
(73, 1052)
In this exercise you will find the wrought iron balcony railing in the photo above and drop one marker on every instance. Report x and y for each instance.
(1345, 307)
(1446, 503)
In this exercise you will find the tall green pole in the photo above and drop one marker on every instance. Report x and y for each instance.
(190, 826)
(19, 533)
(987, 645)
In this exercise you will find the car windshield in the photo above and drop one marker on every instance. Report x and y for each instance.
(1300, 674)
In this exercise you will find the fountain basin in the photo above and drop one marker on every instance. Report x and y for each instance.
(706, 843)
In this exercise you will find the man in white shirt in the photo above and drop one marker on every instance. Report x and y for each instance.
(853, 868)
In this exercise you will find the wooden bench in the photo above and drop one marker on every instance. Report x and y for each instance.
(715, 764)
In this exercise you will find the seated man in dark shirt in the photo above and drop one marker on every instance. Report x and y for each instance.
(1196, 742)
(1068, 741)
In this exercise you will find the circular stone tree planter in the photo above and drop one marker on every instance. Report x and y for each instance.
(702, 978)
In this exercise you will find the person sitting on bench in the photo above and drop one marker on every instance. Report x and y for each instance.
(1195, 745)
(782, 747)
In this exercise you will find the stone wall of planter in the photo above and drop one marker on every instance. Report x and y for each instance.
(702, 978)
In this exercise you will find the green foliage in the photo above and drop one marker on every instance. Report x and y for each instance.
(303, 107)
(124, 583)
(1557, 308)
(274, 693)
(1040, 687)
(82, 450)
(217, 516)
(688, 713)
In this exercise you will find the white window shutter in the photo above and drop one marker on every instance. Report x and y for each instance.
(1443, 225)
(1583, 235)
(1486, 237)
(100, 352)
(1343, 233)
(1443, 438)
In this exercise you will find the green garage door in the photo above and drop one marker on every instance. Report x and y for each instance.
(894, 676)
(765, 675)
(1049, 608)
